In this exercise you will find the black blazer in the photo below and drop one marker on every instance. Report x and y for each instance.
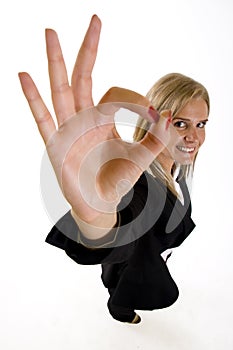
(151, 220)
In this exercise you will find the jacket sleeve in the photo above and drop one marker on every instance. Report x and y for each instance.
(66, 235)
(118, 245)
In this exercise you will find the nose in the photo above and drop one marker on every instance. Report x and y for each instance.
(191, 134)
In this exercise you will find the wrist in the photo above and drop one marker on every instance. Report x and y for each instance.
(97, 228)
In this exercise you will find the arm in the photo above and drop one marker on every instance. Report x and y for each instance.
(93, 166)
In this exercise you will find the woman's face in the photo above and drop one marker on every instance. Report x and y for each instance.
(187, 133)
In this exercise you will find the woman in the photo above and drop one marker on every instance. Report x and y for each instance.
(126, 208)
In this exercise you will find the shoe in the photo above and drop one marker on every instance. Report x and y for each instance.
(136, 320)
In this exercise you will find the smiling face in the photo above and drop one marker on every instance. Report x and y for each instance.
(187, 134)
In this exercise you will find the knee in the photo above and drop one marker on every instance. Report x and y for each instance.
(171, 296)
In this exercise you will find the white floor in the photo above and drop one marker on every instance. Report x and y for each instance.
(49, 302)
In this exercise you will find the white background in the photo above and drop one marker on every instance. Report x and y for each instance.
(48, 301)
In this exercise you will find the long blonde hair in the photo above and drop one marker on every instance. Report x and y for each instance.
(173, 92)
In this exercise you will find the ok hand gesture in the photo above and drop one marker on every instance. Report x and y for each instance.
(93, 165)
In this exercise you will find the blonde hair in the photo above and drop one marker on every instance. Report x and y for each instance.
(173, 92)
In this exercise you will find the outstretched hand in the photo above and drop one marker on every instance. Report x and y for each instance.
(93, 165)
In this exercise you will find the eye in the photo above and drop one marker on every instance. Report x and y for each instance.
(180, 124)
(201, 125)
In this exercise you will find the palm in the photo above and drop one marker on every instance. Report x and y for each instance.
(93, 165)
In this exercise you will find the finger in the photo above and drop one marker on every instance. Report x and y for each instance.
(117, 98)
(118, 94)
(81, 77)
(158, 135)
(39, 110)
(129, 99)
(155, 140)
(62, 95)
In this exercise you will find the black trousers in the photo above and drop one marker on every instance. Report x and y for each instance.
(110, 276)
(120, 313)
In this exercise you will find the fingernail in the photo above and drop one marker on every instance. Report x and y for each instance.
(169, 120)
(153, 113)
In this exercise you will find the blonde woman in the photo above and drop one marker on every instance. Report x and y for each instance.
(129, 201)
(183, 96)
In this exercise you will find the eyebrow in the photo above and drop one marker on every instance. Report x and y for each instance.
(187, 119)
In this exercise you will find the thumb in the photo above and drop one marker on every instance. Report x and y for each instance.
(158, 135)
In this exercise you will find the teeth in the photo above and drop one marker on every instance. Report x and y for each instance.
(186, 149)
